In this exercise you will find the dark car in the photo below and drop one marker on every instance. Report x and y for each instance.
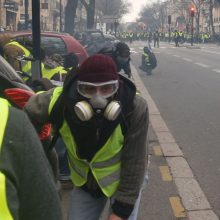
(112, 40)
(95, 40)
(60, 43)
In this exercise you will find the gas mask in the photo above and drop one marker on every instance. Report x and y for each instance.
(97, 100)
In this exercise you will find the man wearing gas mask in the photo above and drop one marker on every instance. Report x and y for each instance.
(121, 55)
(104, 126)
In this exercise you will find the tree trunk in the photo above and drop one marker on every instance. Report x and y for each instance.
(91, 14)
(70, 14)
(211, 18)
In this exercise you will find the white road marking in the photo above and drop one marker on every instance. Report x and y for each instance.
(175, 55)
(132, 50)
(213, 52)
(187, 59)
(216, 70)
(202, 65)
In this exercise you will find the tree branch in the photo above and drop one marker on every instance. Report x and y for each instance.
(85, 4)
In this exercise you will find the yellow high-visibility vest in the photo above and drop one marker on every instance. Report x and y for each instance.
(49, 73)
(105, 164)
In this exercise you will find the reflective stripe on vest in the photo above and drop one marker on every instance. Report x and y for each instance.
(26, 65)
(49, 73)
(105, 165)
(4, 210)
(146, 59)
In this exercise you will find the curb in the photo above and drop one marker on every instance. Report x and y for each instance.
(192, 196)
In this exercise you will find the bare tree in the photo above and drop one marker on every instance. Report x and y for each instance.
(113, 7)
(198, 5)
(153, 15)
(90, 9)
(70, 14)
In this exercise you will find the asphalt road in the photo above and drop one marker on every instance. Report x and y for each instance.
(186, 89)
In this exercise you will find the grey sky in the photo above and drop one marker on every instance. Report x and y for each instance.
(135, 9)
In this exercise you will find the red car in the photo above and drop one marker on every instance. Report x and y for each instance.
(60, 43)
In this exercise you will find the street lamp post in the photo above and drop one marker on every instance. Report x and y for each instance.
(36, 64)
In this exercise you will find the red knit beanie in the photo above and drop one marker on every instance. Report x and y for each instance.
(97, 69)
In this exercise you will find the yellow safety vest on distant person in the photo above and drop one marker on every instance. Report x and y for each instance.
(105, 164)
(26, 65)
(49, 73)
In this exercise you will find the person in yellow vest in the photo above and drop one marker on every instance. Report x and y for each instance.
(27, 188)
(104, 124)
(11, 49)
(53, 68)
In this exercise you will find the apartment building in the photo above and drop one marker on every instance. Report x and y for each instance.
(216, 18)
(12, 14)
(9, 14)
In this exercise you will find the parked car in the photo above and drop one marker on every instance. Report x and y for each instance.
(95, 40)
(61, 43)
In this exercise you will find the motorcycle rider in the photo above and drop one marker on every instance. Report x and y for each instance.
(27, 187)
(121, 55)
(104, 126)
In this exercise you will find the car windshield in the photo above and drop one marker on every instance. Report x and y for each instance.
(53, 45)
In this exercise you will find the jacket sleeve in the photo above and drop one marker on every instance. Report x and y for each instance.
(37, 108)
(134, 159)
(127, 69)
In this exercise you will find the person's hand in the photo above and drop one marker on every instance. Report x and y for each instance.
(114, 217)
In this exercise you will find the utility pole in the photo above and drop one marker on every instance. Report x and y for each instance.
(36, 64)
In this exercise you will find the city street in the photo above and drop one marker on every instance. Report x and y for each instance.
(185, 88)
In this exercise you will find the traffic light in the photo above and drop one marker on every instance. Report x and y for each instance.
(192, 12)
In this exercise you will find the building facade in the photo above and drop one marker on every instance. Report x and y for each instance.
(9, 14)
(181, 19)
(12, 14)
